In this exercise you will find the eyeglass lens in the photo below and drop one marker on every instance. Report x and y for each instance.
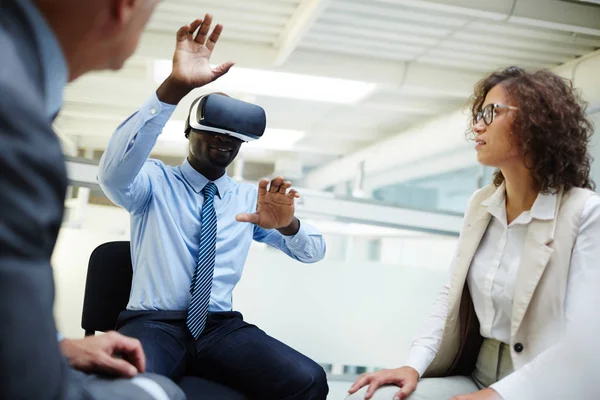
(487, 113)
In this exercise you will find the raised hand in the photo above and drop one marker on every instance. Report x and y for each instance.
(191, 60)
(275, 207)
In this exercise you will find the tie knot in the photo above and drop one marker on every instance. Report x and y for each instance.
(209, 190)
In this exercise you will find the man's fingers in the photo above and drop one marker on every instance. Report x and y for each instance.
(214, 37)
(194, 25)
(187, 31)
(110, 364)
(285, 186)
(132, 350)
(129, 348)
(293, 194)
(275, 183)
(183, 32)
(262, 186)
(222, 70)
(245, 217)
(204, 28)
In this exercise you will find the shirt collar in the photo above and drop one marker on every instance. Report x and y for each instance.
(56, 71)
(197, 181)
(543, 206)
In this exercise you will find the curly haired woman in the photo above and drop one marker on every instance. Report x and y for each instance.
(527, 247)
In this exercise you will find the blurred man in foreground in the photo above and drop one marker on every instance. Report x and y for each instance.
(43, 45)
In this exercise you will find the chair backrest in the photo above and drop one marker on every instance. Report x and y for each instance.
(107, 286)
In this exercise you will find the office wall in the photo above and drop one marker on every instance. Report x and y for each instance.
(361, 306)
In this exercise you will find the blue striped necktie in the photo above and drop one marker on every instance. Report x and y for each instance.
(205, 265)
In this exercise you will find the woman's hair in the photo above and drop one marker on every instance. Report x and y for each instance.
(550, 126)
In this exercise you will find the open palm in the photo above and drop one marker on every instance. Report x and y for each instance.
(275, 206)
(191, 61)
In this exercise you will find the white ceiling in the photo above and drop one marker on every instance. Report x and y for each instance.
(423, 56)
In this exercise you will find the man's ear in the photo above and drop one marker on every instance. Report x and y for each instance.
(124, 10)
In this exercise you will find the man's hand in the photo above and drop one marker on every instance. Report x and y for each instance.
(111, 353)
(405, 377)
(485, 394)
(275, 207)
(191, 61)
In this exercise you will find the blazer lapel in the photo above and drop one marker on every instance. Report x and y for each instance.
(534, 259)
(471, 237)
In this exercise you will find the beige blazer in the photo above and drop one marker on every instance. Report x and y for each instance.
(539, 297)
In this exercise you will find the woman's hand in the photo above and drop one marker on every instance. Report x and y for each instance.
(485, 394)
(406, 378)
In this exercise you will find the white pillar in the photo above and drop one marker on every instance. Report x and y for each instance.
(337, 369)
(238, 169)
(89, 153)
(83, 197)
(358, 189)
(341, 189)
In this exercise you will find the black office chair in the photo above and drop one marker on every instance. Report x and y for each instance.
(107, 288)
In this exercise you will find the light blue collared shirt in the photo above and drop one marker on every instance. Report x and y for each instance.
(56, 71)
(165, 203)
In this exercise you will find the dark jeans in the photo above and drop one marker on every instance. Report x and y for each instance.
(229, 351)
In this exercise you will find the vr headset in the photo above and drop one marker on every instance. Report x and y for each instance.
(222, 114)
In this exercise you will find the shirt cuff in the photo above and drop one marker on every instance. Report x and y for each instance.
(419, 358)
(59, 336)
(156, 112)
(515, 386)
(301, 237)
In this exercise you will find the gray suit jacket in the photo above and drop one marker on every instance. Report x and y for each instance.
(32, 188)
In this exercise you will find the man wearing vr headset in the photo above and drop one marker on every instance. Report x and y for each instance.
(191, 229)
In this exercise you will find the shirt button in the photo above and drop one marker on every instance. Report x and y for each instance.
(518, 347)
(153, 111)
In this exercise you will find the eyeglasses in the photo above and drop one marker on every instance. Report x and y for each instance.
(488, 112)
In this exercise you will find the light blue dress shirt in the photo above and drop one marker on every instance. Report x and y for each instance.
(54, 65)
(165, 203)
